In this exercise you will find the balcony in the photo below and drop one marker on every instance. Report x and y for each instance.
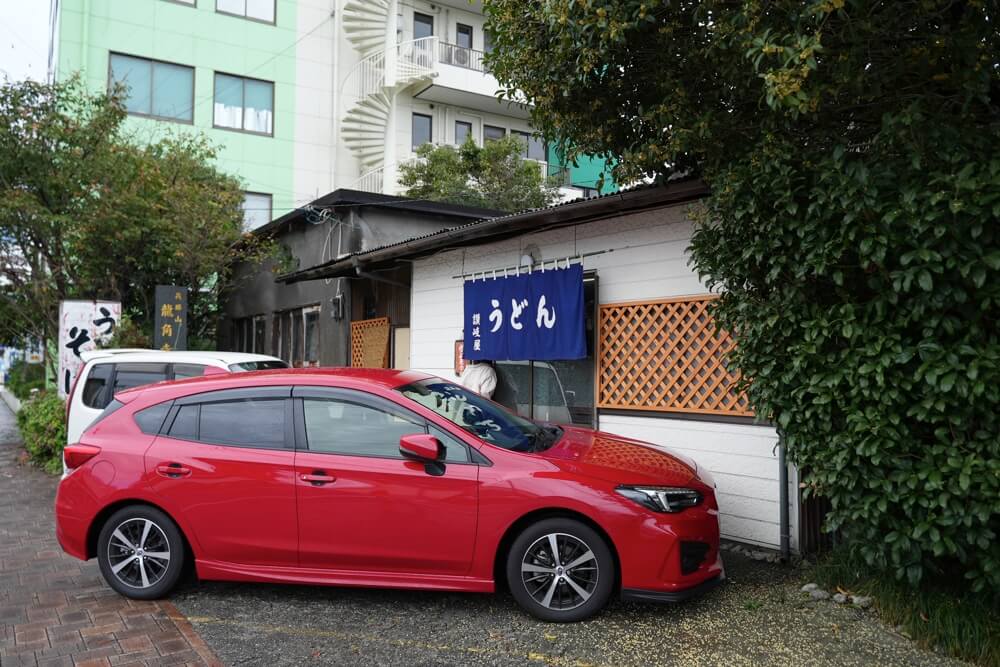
(461, 79)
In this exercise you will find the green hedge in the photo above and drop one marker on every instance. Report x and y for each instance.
(42, 421)
(23, 377)
(863, 285)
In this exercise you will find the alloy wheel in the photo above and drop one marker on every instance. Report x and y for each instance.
(559, 571)
(138, 553)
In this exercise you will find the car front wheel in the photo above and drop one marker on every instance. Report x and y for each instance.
(561, 570)
(140, 552)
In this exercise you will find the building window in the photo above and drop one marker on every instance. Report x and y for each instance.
(296, 336)
(534, 148)
(492, 133)
(487, 42)
(258, 10)
(463, 130)
(256, 210)
(154, 88)
(423, 25)
(463, 36)
(422, 128)
(244, 104)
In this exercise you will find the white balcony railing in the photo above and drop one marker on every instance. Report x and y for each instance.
(460, 56)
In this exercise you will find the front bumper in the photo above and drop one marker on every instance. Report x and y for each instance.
(640, 595)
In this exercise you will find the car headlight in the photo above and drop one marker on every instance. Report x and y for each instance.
(661, 498)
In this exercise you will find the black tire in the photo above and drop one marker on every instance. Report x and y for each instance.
(595, 576)
(127, 565)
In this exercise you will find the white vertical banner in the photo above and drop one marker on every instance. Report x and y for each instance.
(81, 325)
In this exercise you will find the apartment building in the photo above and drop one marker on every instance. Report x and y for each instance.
(302, 96)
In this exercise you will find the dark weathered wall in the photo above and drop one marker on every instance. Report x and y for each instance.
(310, 244)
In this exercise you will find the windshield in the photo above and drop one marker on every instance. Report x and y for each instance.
(477, 415)
(258, 365)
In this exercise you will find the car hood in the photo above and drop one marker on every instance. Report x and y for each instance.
(619, 460)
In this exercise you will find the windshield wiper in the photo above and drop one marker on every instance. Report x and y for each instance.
(552, 435)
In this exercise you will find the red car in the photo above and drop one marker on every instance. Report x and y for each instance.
(355, 477)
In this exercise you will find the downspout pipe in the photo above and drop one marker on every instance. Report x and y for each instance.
(784, 522)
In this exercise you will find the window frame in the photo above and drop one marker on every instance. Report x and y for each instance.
(493, 127)
(430, 129)
(472, 36)
(467, 123)
(268, 393)
(250, 18)
(415, 21)
(113, 377)
(243, 103)
(529, 138)
(151, 61)
(270, 197)
(184, 3)
(368, 399)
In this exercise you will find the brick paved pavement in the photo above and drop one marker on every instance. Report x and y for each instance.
(56, 610)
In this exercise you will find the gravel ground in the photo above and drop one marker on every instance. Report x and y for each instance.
(758, 618)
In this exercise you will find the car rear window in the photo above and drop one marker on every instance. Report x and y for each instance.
(257, 365)
(151, 419)
(94, 395)
(113, 407)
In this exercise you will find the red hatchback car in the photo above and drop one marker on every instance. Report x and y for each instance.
(380, 478)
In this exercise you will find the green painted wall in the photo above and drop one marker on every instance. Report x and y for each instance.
(196, 36)
(587, 172)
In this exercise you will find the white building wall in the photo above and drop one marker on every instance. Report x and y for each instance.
(315, 114)
(648, 259)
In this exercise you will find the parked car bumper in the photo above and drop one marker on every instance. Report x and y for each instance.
(639, 595)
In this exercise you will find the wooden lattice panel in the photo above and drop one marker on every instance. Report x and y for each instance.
(665, 355)
(370, 343)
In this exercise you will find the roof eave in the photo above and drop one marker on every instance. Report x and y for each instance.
(489, 230)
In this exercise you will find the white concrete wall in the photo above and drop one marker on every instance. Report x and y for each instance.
(648, 260)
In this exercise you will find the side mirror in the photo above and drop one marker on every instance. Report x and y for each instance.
(421, 447)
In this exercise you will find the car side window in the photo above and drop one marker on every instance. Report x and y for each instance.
(151, 419)
(94, 394)
(457, 452)
(250, 422)
(137, 375)
(182, 371)
(338, 426)
(185, 425)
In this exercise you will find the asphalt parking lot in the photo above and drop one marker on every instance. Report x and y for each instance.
(55, 610)
(759, 618)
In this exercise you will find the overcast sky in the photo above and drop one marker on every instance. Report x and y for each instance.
(24, 39)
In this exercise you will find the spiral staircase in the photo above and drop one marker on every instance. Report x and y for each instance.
(369, 88)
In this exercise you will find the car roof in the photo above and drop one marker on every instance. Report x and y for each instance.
(210, 357)
(354, 378)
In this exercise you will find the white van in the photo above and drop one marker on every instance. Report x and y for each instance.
(107, 372)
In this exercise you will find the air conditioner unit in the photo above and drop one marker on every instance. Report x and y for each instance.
(462, 57)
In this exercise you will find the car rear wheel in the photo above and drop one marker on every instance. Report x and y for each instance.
(561, 570)
(140, 552)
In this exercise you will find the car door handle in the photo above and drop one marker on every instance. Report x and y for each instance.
(317, 478)
(173, 470)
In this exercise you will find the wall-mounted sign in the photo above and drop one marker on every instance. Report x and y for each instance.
(81, 325)
(534, 316)
(171, 322)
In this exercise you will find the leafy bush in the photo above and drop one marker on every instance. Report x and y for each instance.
(851, 147)
(23, 377)
(865, 291)
(42, 421)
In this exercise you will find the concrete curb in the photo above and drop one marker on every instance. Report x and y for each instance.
(11, 400)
